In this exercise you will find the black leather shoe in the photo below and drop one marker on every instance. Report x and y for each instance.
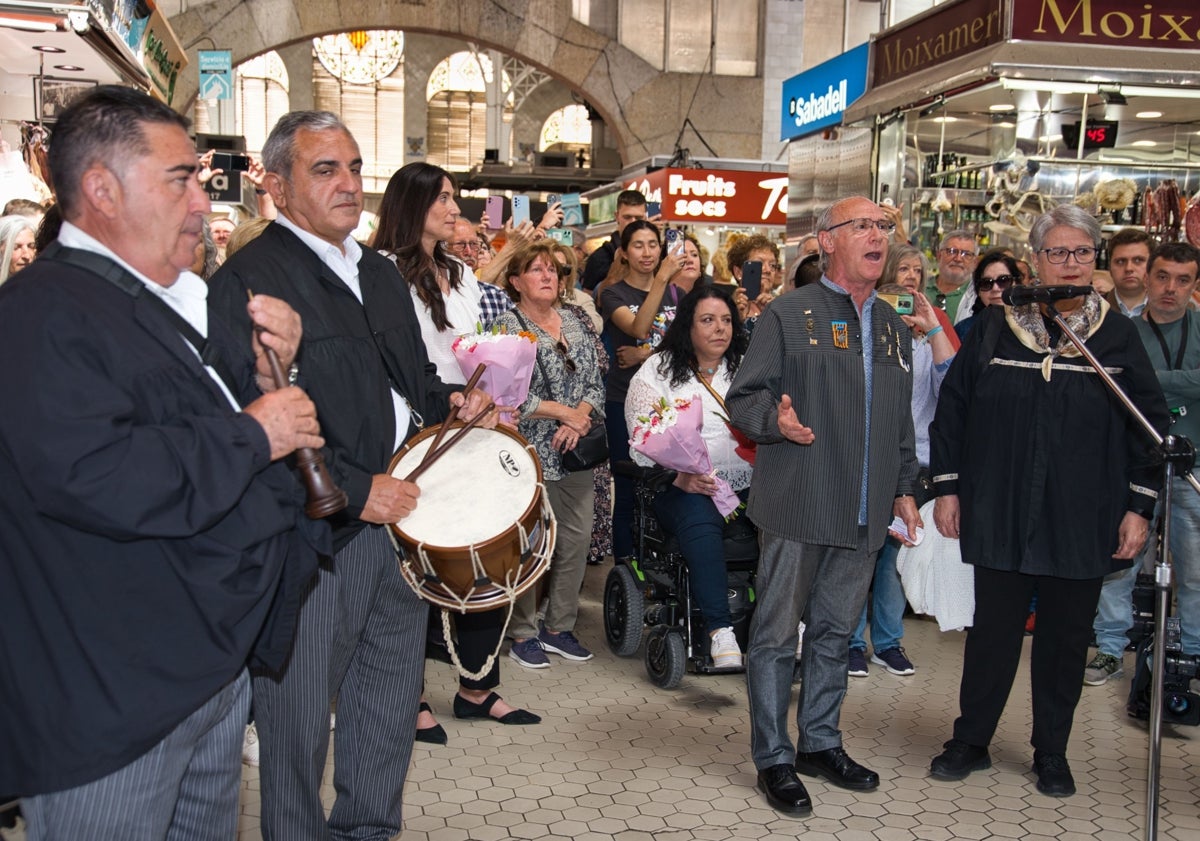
(464, 709)
(435, 735)
(959, 759)
(1054, 774)
(838, 768)
(783, 790)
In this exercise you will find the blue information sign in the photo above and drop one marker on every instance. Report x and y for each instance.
(816, 98)
(216, 74)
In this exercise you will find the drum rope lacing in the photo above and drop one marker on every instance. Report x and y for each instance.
(509, 587)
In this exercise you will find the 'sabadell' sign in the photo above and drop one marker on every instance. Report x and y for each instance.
(1163, 24)
(951, 31)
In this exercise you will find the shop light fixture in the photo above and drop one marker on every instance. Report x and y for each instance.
(1144, 143)
(1049, 87)
(1148, 115)
(70, 68)
(1170, 93)
(1002, 106)
(46, 48)
(945, 119)
(1049, 138)
(29, 24)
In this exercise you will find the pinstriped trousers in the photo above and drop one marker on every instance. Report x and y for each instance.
(361, 640)
(185, 788)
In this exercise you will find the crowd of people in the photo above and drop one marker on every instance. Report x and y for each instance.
(167, 588)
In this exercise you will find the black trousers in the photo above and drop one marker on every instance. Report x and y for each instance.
(477, 635)
(1065, 610)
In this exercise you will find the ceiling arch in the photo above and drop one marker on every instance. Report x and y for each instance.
(642, 106)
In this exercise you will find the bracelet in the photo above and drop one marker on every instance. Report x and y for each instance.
(933, 332)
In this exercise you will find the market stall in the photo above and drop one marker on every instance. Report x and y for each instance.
(985, 113)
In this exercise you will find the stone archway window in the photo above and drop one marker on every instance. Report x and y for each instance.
(360, 77)
(362, 57)
(261, 98)
(567, 129)
(457, 112)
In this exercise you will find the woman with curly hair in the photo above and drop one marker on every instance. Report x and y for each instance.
(698, 356)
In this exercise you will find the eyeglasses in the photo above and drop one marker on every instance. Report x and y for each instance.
(957, 252)
(1000, 282)
(861, 227)
(939, 301)
(1084, 254)
(564, 271)
(771, 267)
(470, 245)
(560, 348)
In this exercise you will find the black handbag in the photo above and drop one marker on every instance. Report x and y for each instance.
(591, 449)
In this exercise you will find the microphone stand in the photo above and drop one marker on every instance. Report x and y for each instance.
(1177, 453)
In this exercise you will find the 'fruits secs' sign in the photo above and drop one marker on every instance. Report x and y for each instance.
(723, 196)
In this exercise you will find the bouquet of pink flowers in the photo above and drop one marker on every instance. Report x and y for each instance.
(509, 357)
(669, 435)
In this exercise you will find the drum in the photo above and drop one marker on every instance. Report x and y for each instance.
(483, 531)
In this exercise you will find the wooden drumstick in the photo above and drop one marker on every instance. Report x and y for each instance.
(429, 459)
(450, 418)
(324, 496)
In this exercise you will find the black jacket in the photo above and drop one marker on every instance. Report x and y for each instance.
(350, 356)
(148, 547)
(1045, 471)
(595, 269)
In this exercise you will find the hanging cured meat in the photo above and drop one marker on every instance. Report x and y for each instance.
(1166, 199)
(1191, 224)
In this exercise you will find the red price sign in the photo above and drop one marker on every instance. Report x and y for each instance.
(1098, 134)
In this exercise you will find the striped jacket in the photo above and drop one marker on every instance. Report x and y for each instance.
(811, 493)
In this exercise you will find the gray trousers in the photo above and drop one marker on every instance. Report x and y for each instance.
(361, 639)
(828, 587)
(185, 788)
(572, 498)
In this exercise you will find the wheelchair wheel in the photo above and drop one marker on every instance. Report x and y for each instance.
(623, 607)
(666, 658)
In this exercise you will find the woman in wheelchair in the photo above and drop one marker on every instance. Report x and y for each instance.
(699, 355)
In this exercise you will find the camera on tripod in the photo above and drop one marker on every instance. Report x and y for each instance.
(1180, 706)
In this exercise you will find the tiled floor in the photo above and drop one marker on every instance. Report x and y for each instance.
(616, 758)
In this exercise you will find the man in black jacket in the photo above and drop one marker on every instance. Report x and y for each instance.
(362, 630)
(151, 540)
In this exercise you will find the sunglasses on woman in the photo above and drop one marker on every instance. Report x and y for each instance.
(1001, 282)
(561, 348)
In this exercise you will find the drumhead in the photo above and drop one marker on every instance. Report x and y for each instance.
(476, 491)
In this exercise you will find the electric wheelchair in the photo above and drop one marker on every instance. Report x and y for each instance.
(651, 589)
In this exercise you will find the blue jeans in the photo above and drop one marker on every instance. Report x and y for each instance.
(887, 603)
(700, 530)
(1115, 613)
(618, 450)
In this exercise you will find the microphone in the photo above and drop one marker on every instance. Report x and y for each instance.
(1017, 296)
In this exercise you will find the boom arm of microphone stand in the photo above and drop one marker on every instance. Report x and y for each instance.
(1116, 389)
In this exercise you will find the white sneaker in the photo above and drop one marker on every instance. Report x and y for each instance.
(726, 653)
(250, 746)
(800, 641)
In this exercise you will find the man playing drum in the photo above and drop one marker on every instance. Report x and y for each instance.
(362, 629)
